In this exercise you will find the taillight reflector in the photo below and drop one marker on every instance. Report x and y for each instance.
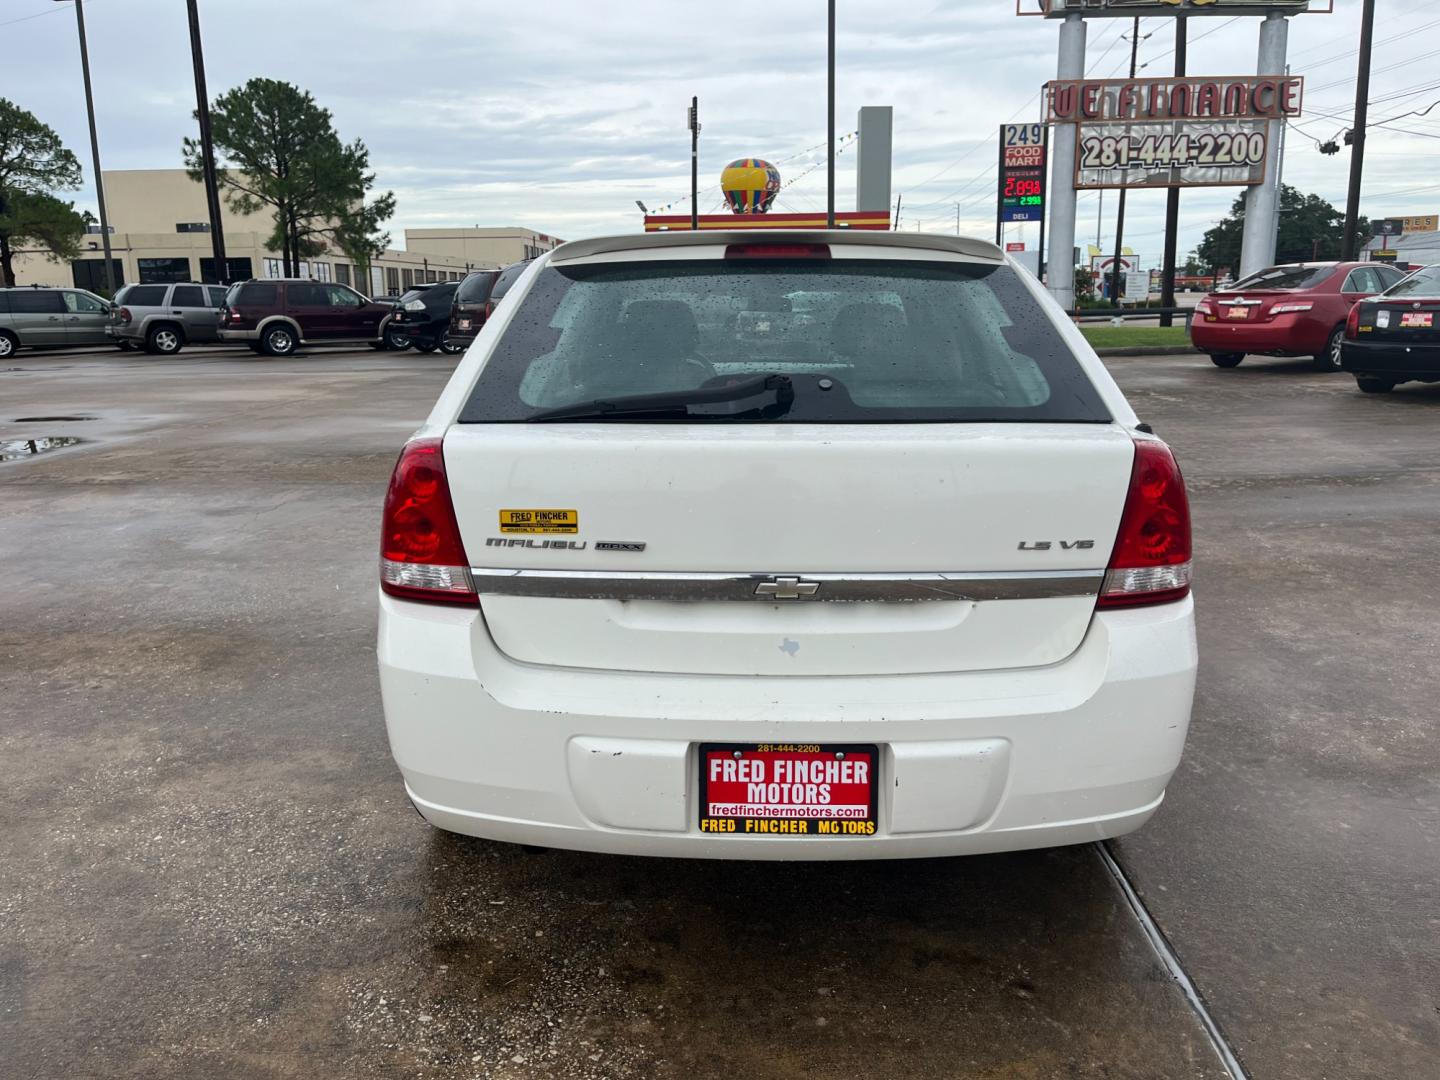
(777, 251)
(125, 315)
(421, 555)
(1352, 322)
(1151, 561)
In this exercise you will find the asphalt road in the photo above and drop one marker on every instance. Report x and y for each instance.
(208, 867)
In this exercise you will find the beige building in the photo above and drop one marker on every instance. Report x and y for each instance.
(482, 246)
(161, 232)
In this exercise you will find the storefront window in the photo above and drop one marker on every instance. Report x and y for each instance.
(157, 270)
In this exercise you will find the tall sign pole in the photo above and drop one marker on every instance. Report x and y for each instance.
(1172, 198)
(830, 118)
(695, 164)
(1115, 273)
(1262, 201)
(1062, 168)
(207, 148)
(95, 147)
(1349, 243)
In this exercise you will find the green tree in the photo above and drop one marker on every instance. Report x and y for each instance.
(278, 149)
(33, 164)
(360, 238)
(1310, 229)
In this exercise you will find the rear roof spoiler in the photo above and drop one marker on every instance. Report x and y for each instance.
(607, 245)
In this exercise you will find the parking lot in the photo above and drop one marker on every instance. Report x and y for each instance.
(209, 867)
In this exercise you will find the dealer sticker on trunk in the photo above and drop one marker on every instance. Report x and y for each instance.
(539, 521)
(770, 789)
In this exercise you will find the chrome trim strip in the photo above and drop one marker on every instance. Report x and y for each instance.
(642, 585)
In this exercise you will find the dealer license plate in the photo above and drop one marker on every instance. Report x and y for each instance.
(1237, 313)
(788, 789)
(464, 324)
(1417, 320)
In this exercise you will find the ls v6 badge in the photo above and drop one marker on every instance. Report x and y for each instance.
(1065, 545)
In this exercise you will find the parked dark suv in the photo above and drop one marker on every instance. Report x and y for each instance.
(467, 314)
(277, 316)
(422, 318)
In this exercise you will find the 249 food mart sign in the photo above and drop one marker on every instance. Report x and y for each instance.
(1172, 132)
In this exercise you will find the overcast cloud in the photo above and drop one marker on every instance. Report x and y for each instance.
(559, 114)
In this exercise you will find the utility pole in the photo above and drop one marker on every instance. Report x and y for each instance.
(898, 199)
(830, 121)
(207, 149)
(1120, 212)
(1172, 199)
(1349, 243)
(957, 219)
(95, 147)
(695, 164)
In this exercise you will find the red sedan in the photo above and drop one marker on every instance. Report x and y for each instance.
(1293, 310)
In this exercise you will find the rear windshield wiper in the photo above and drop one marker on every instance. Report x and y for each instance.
(676, 402)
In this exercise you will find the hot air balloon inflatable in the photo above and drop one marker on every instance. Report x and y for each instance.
(750, 185)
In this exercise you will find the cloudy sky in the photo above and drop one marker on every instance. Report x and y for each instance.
(559, 114)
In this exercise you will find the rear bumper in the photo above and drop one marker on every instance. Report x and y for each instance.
(227, 334)
(606, 761)
(1288, 335)
(125, 332)
(1391, 360)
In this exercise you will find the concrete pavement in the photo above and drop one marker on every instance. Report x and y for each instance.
(209, 867)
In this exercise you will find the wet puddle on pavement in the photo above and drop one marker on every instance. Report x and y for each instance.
(18, 449)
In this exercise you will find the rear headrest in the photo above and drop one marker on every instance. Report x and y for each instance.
(660, 326)
(856, 326)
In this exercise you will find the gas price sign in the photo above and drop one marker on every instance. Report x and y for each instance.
(1021, 195)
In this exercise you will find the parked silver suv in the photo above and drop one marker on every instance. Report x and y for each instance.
(162, 317)
(42, 317)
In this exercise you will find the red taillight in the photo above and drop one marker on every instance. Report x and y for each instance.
(421, 556)
(1352, 322)
(1151, 561)
(777, 251)
(235, 316)
(125, 314)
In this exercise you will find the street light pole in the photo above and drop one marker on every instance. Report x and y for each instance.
(1172, 199)
(207, 149)
(830, 121)
(1120, 211)
(694, 165)
(1349, 241)
(94, 147)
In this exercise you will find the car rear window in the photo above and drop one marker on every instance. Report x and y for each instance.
(1284, 277)
(475, 289)
(1423, 282)
(252, 293)
(146, 295)
(506, 279)
(861, 341)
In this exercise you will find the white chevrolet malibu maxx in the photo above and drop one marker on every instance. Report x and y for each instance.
(808, 545)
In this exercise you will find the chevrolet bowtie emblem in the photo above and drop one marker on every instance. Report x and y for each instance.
(786, 588)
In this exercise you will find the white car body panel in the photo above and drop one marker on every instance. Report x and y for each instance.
(606, 761)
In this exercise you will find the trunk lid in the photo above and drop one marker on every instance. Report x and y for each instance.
(1402, 321)
(1011, 500)
(1253, 305)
